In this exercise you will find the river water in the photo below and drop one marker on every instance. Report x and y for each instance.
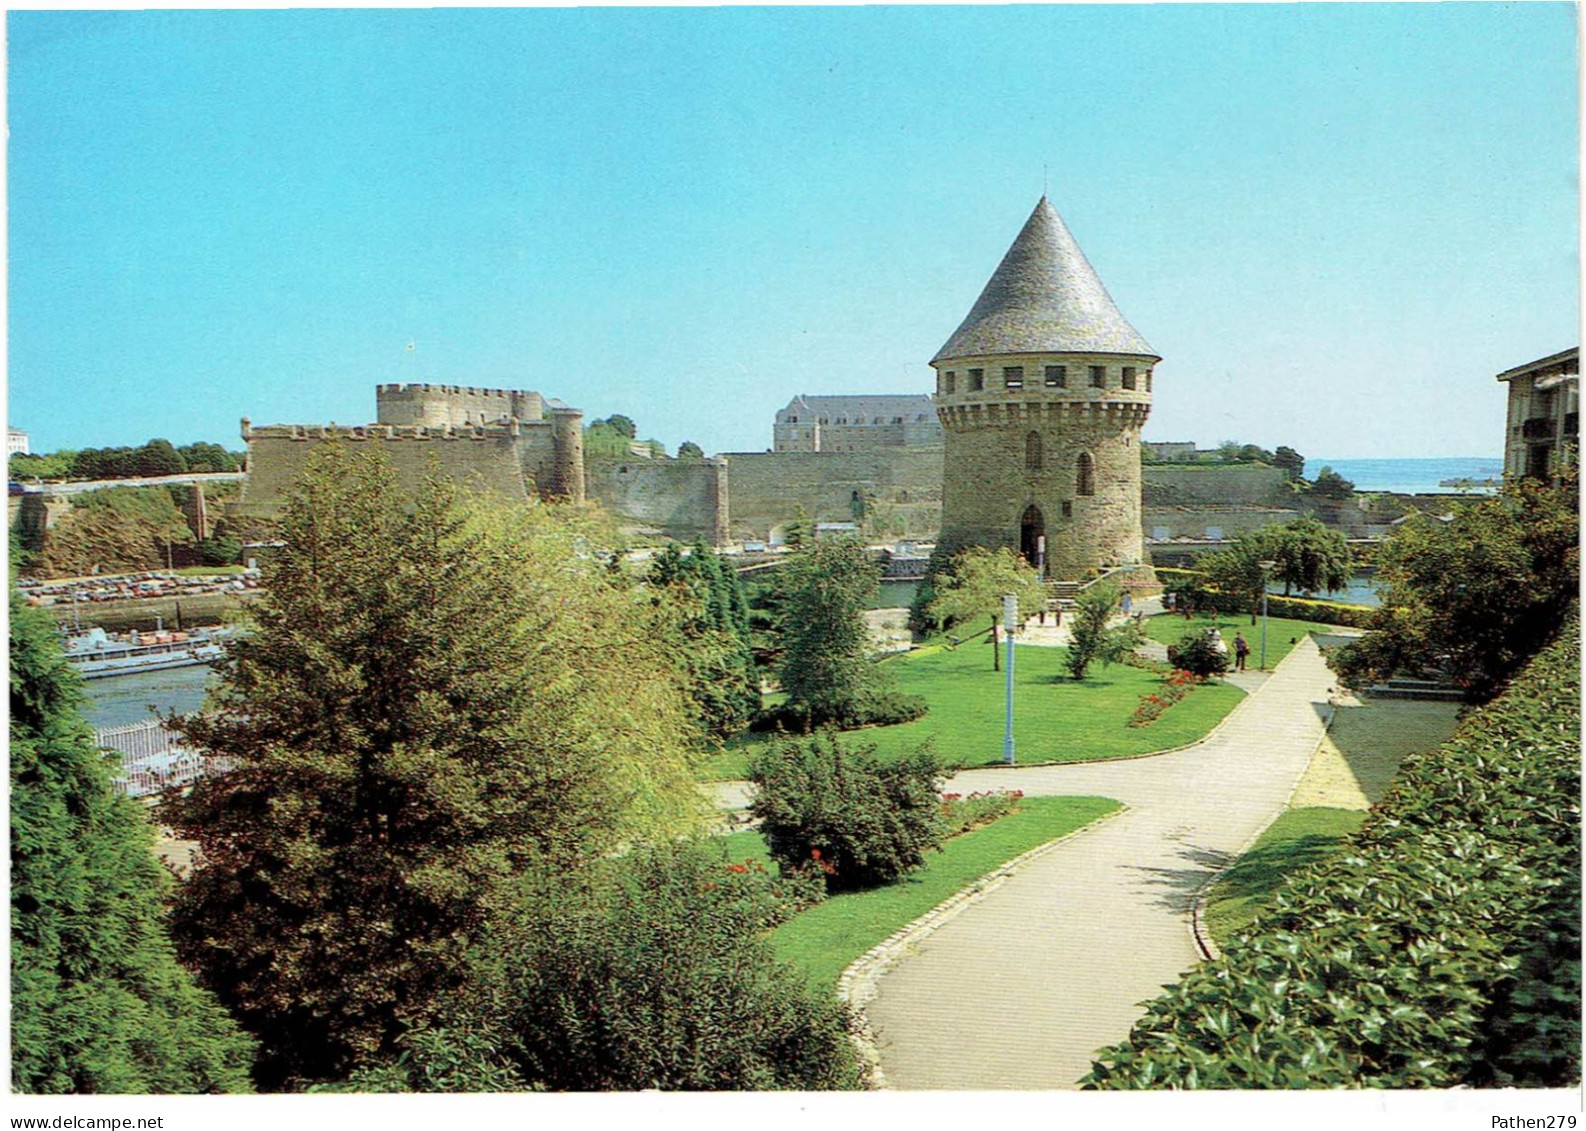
(120, 699)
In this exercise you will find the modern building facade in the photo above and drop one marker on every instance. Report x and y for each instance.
(1042, 392)
(17, 442)
(1542, 435)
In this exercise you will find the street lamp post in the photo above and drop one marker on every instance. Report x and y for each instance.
(1266, 568)
(1010, 621)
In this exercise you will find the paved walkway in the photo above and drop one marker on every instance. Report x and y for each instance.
(1021, 989)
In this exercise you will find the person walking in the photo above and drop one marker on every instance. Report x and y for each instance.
(1241, 650)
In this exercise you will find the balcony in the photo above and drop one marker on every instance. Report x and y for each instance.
(1538, 428)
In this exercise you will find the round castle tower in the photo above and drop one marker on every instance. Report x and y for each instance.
(1042, 392)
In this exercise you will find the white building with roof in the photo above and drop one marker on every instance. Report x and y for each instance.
(859, 423)
(16, 442)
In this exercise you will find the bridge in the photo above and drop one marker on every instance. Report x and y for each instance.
(189, 479)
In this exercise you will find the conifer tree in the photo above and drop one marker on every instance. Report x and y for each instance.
(714, 646)
(98, 1001)
(436, 696)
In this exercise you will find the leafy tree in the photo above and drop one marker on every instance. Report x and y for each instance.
(652, 971)
(622, 425)
(1328, 484)
(601, 439)
(1292, 463)
(714, 645)
(54, 465)
(826, 667)
(1092, 641)
(159, 457)
(222, 549)
(204, 456)
(436, 693)
(690, 450)
(1476, 597)
(98, 1002)
(1305, 554)
(976, 581)
(863, 822)
(1310, 557)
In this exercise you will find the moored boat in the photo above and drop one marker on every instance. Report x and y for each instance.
(96, 653)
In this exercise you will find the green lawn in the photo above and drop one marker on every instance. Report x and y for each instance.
(1055, 718)
(1297, 838)
(826, 938)
(1282, 634)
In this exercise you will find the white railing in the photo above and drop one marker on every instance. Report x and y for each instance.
(153, 759)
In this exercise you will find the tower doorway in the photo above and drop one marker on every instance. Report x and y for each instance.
(1032, 529)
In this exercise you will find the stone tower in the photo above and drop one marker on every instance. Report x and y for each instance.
(1042, 392)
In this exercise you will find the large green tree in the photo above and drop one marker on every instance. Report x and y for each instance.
(713, 645)
(98, 1002)
(974, 584)
(826, 668)
(436, 694)
(1304, 554)
(1473, 598)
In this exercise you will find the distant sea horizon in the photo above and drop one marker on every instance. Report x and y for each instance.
(1410, 476)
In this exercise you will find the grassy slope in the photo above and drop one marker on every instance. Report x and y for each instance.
(826, 938)
(1298, 837)
(1282, 633)
(1055, 719)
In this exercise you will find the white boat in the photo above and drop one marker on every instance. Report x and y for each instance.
(96, 653)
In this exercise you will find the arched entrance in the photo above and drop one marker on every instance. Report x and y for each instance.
(1032, 528)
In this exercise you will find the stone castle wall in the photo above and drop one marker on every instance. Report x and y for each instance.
(492, 459)
(902, 485)
(681, 499)
(434, 406)
(1249, 484)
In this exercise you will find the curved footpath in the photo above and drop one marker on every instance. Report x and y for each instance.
(1022, 988)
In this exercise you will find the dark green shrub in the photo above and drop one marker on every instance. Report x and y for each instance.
(653, 971)
(864, 821)
(1196, 653)
(1440, 948)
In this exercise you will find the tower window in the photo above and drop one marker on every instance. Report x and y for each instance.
(977, 380)
(1068, 508)
(1013, 376)
(1148, 380)
(1032, 452)
(1057, 376)
(949, 381)
(1085, 475)
(1128, 376)
(1098, 376)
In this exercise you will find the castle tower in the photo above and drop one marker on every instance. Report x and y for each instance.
(1042, 392)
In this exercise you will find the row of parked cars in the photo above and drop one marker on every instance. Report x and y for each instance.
(122, 587)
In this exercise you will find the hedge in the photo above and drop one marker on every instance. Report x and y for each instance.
(1440, 948)
(1295, 608)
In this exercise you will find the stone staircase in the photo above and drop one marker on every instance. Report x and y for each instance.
(1063, 592)
(1425, 690)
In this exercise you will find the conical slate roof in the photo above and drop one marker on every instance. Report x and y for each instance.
(1045, 297)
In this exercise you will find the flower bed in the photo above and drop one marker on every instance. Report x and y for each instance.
(1177, 685)
(962, 814)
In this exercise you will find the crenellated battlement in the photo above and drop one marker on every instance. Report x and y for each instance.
(395, 388)
(377, 431)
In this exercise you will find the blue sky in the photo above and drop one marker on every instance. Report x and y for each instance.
(1335, 223)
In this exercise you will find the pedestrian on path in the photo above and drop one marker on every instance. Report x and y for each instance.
(1241, 650)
